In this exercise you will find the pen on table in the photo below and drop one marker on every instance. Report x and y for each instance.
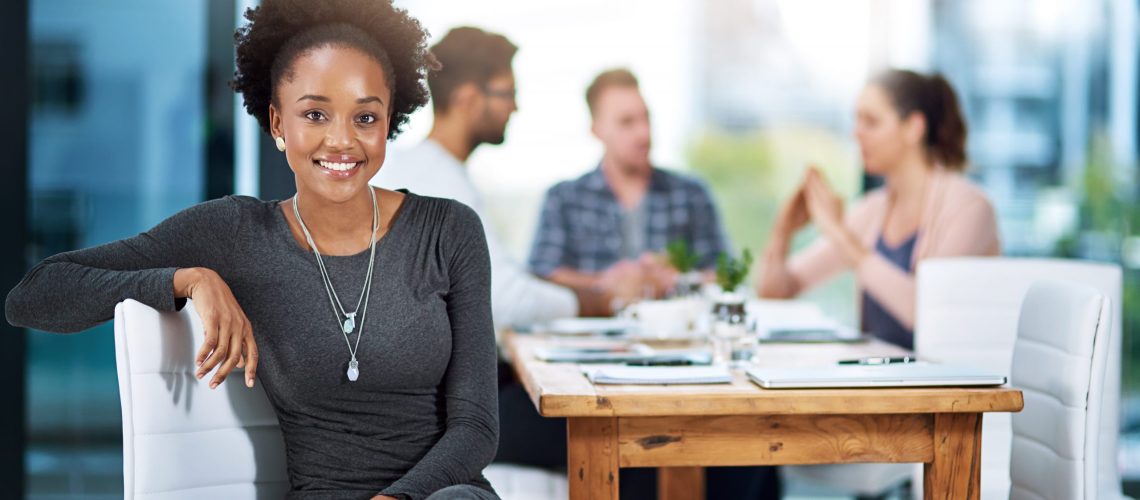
(682, 360)
(877, 360)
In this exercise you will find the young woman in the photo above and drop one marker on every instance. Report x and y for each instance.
(364, 312)
(911, 132)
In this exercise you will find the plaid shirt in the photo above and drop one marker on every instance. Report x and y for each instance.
(580, 225)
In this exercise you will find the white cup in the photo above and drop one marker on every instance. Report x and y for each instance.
(665, 319)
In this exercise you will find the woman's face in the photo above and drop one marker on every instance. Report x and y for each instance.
(332, 110)
(884, 137)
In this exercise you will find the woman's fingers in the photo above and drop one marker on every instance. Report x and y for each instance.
(235, 332)
(208, 346)
(228, 335)
(250, 357)
(811, 194)
(221, 351)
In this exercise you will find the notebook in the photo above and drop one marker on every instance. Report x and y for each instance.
(616, 353)
(655, 375)
(896, 375)
(806, 331)
(588, 326)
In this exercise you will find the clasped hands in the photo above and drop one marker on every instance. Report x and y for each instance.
(630, 280)
(813, 201)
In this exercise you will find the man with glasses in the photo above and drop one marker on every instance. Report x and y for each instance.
(473, 98)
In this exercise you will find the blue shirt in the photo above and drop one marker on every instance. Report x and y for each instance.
(877, 320)
(581, 223)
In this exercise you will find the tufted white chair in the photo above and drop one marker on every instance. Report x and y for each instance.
(967, 312)
(182, 440)
(1059, 361)
(518, 482)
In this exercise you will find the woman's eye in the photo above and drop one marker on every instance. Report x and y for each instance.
(315, 115)
(367, 119)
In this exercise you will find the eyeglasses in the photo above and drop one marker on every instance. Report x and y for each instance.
(508, 94)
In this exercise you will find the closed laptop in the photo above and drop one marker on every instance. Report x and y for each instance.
(894, 375)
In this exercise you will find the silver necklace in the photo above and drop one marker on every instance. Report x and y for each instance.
(349, 324)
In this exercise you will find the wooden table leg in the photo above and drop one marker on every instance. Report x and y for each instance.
(592, 448)
(681, 483)
(955, 472)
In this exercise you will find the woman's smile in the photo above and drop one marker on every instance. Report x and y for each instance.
(341, 167)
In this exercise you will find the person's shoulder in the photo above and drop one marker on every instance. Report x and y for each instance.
(418, 165)
(226, 207)
(570, 187)
(455, 220)
(681, 180)
(217, 219)
(445, 211)
(964, 191)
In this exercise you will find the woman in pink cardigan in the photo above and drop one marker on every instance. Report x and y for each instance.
(911, 132)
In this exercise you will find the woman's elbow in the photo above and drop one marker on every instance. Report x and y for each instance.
(482, 436)
(22, 310)
(16, 309)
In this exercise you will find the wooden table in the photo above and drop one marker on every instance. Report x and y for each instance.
(681, 429)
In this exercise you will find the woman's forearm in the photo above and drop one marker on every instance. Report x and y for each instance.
(64, 297)
(849, 244)
(776, 280)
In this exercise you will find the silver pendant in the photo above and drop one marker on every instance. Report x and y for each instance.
(350, 323)
(353, 370)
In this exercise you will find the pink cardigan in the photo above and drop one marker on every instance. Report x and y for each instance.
(957, 220)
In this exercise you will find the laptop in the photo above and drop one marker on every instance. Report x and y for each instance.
(861, 376)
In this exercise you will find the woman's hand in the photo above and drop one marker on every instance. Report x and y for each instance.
(384, 497)
(823, 205)
(826, 209)
(229, 336)
(793, 214)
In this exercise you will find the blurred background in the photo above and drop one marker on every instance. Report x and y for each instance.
(124, 117)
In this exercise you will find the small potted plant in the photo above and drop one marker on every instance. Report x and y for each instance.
(731, 272)
(684, 260)
(729, 324)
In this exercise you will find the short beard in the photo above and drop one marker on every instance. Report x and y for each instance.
(491, 137)
(488, 132)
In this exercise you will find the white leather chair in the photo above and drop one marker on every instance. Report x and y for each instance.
(967, 312)
(871, 480)
(1059, 361)
(517, 482)
(182, 440)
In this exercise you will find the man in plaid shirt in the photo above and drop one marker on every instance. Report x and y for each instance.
(602, 230)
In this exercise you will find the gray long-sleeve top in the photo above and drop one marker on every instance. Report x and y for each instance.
(423, 414)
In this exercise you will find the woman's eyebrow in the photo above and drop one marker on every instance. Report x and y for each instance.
(312, 97)
(322, 98)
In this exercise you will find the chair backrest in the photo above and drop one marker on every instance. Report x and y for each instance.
(1059, 358)
(182, 440)
(967, 312)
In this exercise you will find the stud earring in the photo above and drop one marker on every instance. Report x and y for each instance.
(280, 143)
